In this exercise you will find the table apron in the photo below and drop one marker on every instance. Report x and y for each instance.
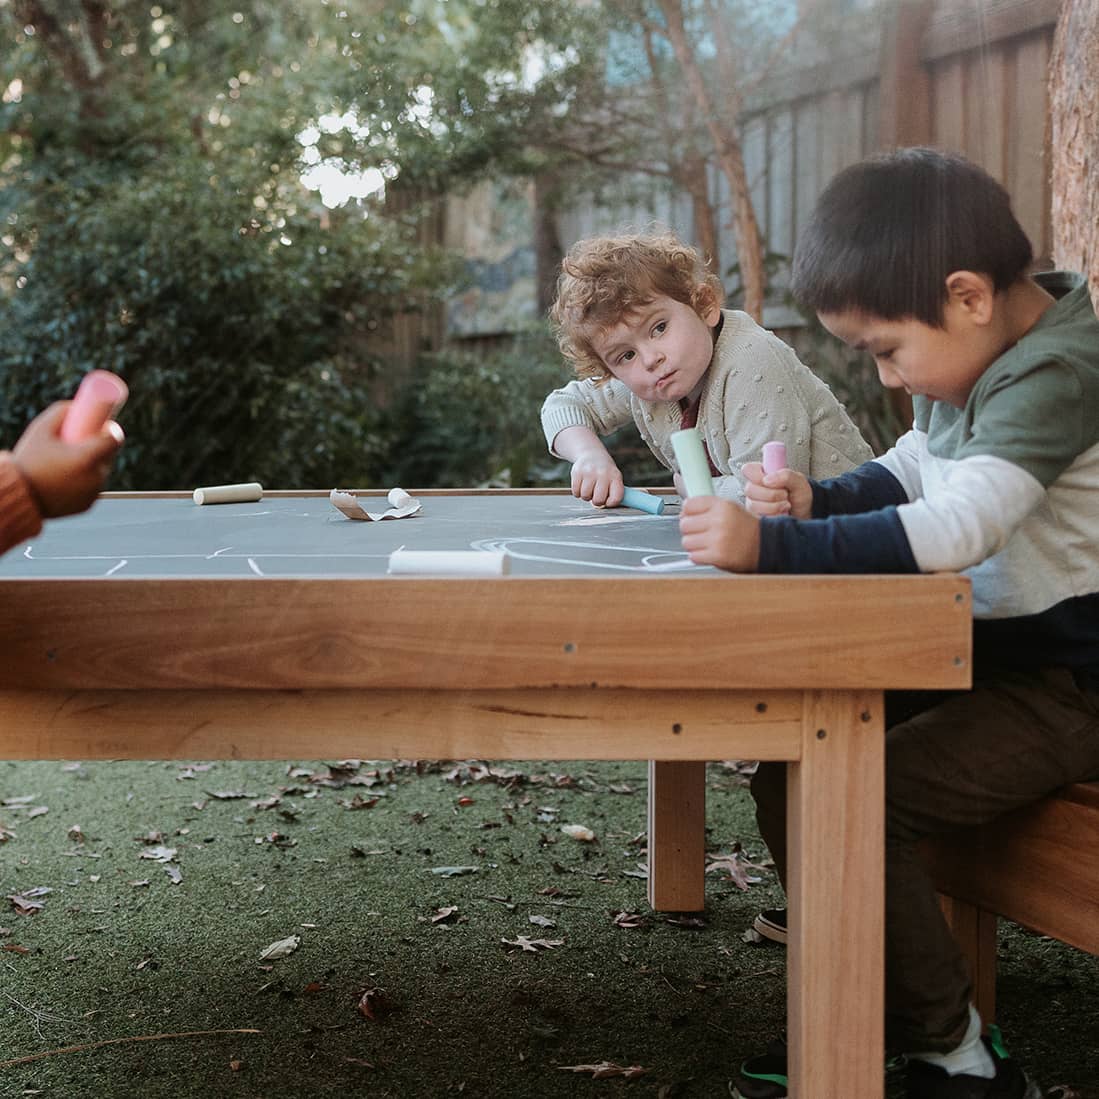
(541, 723)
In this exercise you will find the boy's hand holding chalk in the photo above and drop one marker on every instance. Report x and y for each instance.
(773, 489)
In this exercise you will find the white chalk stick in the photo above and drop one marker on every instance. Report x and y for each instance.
(228, 494)
(399, 498)
(449, 563)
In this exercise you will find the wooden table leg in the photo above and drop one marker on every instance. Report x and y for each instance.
(975, 930)
(677, 835)
(836, 853)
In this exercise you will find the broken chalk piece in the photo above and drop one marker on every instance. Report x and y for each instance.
(693, 463)
(404, 562)
(642, 500)
(774, 457)
(228, 494)
(98, 397)
(399, 498)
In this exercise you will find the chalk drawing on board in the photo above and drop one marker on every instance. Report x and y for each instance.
(624, 559)
(250, 559)
(600, 520)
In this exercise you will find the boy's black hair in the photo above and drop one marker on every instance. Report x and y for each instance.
(887, 232)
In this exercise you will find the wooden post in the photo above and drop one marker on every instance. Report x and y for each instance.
(836, 830)
(904, 92)
(677, 835)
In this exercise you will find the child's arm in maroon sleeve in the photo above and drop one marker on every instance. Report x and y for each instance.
(20, 518)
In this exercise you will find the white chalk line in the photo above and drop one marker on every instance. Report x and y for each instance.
(648, 558)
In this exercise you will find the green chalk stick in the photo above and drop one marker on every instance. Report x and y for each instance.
(643, 501)
(691, 455)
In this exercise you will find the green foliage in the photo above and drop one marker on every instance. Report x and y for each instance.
(853, 378)
(471, 418)
(246, 342)
(156, 227)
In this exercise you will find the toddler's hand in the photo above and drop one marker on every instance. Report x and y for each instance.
(719, 532)
(595, 477)
(64, 477)
(785, 492)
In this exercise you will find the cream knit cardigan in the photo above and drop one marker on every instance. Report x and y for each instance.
(755, 390)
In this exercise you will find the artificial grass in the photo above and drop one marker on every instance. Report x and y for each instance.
(455, 1010)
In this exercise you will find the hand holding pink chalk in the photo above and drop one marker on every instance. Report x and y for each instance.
(100, 395)
(774, 457)
(792, 495)
(65, 477)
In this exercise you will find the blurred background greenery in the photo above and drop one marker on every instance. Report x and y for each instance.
(165, 213)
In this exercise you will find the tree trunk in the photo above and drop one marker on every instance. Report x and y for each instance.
(1074, 122)
(749, 246)
(548, 252)
(693, 180)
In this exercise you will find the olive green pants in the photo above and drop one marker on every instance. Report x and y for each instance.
(964, 760)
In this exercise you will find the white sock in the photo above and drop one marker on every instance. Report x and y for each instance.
(970, 1056)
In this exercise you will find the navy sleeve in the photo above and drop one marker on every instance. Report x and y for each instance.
(872, 542)
(870, 487)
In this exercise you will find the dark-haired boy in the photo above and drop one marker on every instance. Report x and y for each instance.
(916, 257)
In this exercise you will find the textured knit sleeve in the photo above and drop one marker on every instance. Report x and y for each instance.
(19, 516)
(768, 394)
(603, 408)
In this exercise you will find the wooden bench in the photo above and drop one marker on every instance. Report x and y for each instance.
(1038, 866)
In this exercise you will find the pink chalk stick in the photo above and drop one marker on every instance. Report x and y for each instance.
(774, 457)
(100, 395)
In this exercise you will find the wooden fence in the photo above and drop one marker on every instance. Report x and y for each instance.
(966, 75)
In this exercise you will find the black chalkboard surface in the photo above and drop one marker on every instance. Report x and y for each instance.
(298, 536)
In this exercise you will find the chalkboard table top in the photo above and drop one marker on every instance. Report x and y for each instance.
(304, 535)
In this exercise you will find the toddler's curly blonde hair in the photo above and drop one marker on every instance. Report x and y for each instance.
(605, 278)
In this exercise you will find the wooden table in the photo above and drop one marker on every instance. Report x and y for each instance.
(155, 629)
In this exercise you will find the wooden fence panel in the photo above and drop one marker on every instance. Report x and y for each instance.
(986, 67)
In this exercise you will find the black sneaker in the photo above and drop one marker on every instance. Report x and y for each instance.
(926, 1081)
(771, 924)
(764, 1077)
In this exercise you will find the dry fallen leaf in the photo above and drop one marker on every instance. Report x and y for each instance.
(374, 1003)
(606, 1069)
(532, 946)
(158, 854)
(281, 948)
(27, 903)
(736, 866)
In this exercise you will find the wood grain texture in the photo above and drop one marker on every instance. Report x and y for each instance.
(837, 896)
(399, 724)
(757, 632)
(1038, 866)
(677, 835)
